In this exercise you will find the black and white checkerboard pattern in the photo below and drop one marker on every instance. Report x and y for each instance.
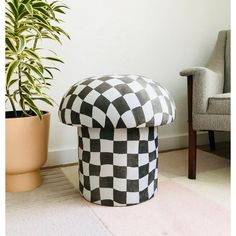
(118, 167)
(117, 101)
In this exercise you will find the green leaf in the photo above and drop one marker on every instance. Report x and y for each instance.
(16, 3)
(26, 1)
(33, 28)
(57, 38)
(22, 15)
(53, 59)
(22, 43)
(21, 8)
(15, 94)
(36, 49)
(36, 70)
(51, 68)
(13, 9)
(44, 12)
(47, 36)
(61, 6)
(53, 3)
(32, 54)
(38, 90)
(44, 26)
(31, 104)
(11, 68)
(59, 10)
(40, 4)
(25, 89)
(12, 82)
(40, 66)
(41, 19)
(22, 29)
(49, 72)
(9, 15)
(60, 30)
(10, 44)
(29, 77)
(29, 8)
(9, 24)
(9, 58)
(46, 100)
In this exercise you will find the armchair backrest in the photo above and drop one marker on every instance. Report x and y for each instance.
(220, 60)
(227, 80)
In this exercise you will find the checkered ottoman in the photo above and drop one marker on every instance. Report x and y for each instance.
(117, 118)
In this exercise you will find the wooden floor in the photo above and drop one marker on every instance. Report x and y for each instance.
(222, 149)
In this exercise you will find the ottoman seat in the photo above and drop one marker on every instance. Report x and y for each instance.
(117, 118)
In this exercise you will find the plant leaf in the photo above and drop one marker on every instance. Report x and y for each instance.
(22, 43)
(49, 72)
(51, 68)
(60, 30)
(59, 10)
(44, 26)
(31, 104)
(29, 8)
(44, 12)
(16, 3)
(35, 29)
(36, 70)
(26, 1)
(11, 68)
(22, 14)
(41, 19)
(14, 95)
(26, 90)
(13, 9)
(29, 77)
(9, 15)
(32, 54)
(46, 100)
(12, 82)
(10, 44)
(53, 59)
(40, 4)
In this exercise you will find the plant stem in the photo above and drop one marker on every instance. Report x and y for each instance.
(12, 103)
(20, 92)
(36, 40)
(35, 44)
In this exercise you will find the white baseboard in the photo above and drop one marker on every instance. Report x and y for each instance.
(181, 140)
(68, 156)
(60, 157)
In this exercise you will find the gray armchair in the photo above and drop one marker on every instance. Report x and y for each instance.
(209, 97)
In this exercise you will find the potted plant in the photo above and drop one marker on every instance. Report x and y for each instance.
(29, 23)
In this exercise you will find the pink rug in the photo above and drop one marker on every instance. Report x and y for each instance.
(175, 210)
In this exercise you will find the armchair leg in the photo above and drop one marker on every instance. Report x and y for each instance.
(211, 140)
(192, 153)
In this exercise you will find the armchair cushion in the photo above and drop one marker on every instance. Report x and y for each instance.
(219, 104)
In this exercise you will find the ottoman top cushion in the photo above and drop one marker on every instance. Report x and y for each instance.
(117, 101)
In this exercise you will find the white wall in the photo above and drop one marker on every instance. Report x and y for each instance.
(155, 38)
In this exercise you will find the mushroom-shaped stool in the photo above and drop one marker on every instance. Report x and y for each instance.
(117, 118)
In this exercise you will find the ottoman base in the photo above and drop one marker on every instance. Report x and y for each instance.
(118, 167)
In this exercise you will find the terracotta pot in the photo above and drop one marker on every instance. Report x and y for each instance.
(26, 151)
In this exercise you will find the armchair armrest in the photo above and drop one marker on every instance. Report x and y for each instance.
(205, 84)
(192, 71)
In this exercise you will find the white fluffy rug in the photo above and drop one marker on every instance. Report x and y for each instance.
(53, 209)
